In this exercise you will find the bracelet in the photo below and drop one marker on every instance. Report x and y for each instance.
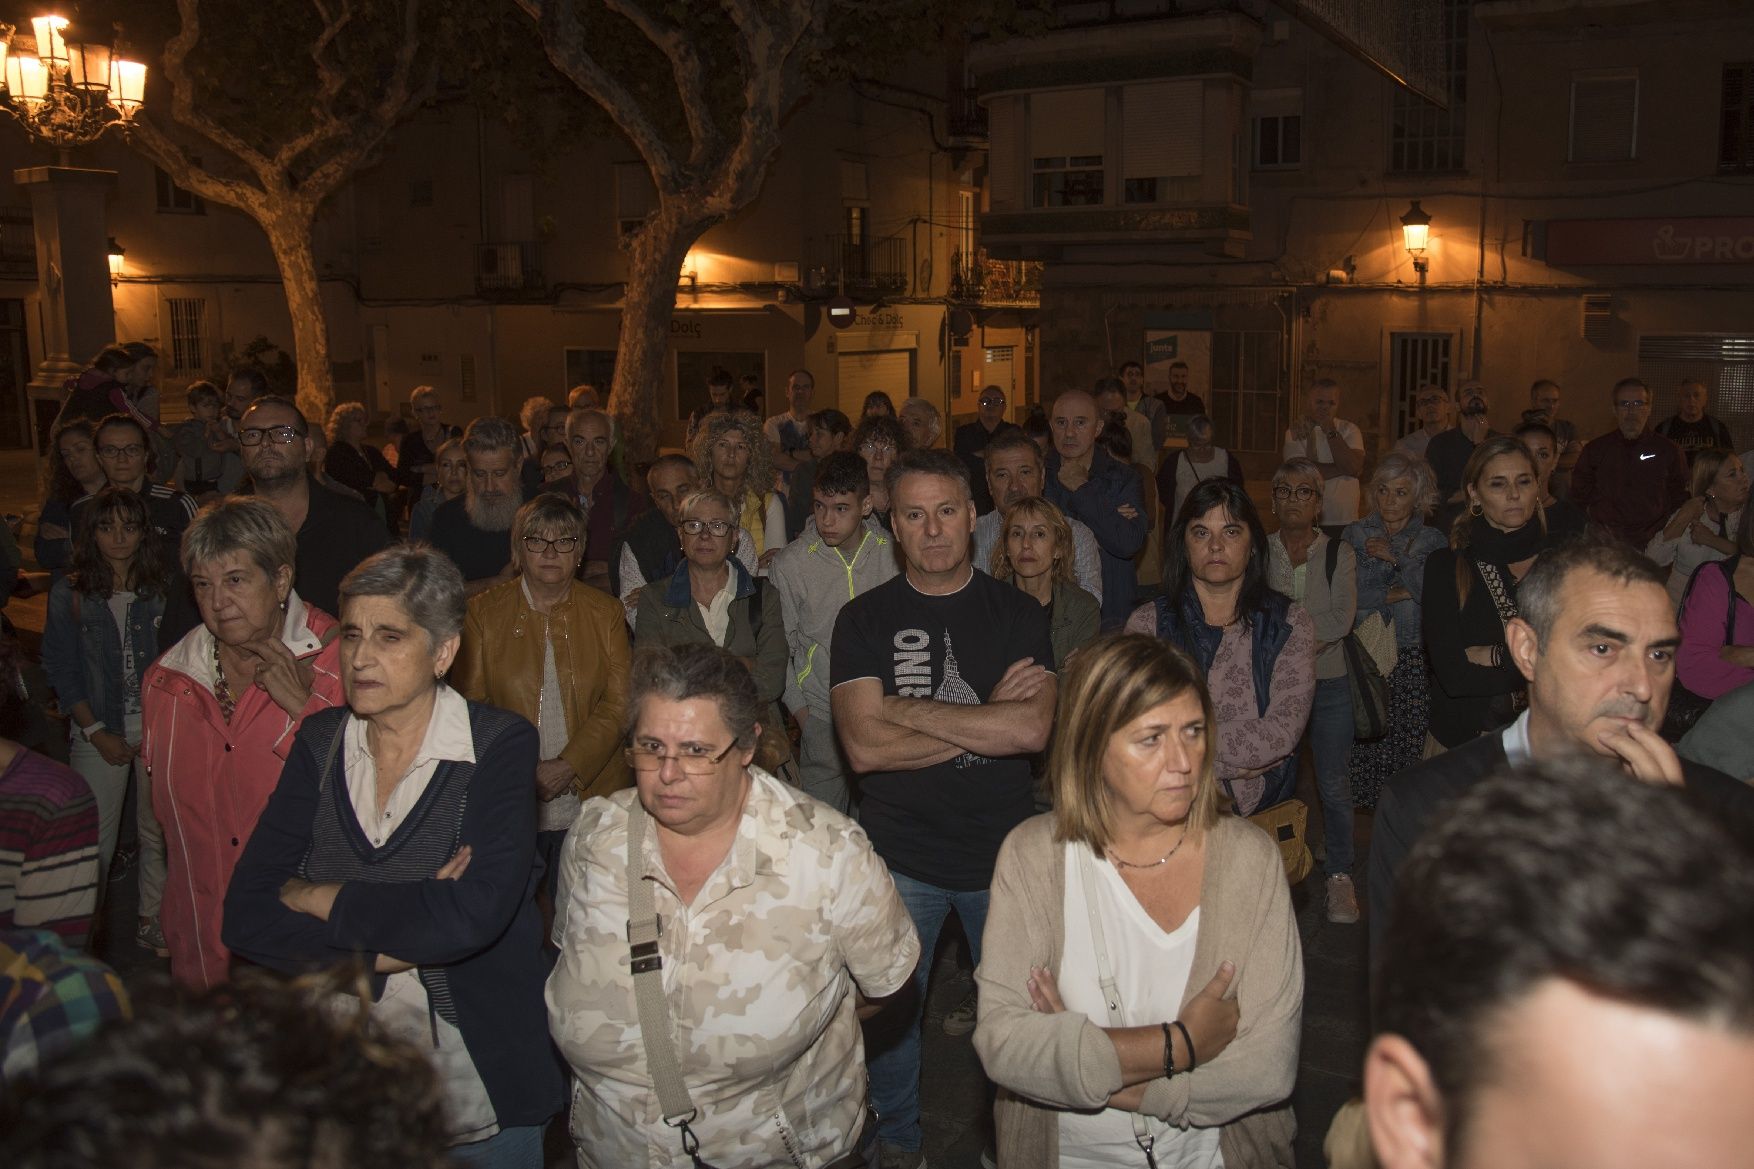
(1187, 1040)
(1168, 1054)
(91, 728)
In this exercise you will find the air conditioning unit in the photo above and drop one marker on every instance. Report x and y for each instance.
(1598, 317)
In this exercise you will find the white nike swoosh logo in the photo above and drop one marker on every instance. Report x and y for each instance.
(1642, 458)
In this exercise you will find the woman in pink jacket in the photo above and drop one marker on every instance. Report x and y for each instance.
(220, 710)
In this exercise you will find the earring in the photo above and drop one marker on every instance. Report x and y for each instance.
(1476, 510)
(283, 604)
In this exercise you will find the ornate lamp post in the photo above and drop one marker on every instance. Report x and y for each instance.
(66, 89)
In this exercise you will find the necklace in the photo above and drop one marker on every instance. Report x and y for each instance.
(222, 689)
(1162, 860)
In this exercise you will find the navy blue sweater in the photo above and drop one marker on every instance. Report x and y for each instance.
(483, 928)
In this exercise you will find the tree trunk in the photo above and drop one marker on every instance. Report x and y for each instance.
(289, 234)
(654, 264)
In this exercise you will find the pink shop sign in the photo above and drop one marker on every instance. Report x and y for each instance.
(1715, 240)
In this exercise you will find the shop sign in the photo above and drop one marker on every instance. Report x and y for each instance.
(1713, 240)
(685, 327)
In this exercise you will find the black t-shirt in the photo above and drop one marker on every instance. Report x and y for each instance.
(1177, 414)
(1693, 437)
(477, 552)
(942, 824)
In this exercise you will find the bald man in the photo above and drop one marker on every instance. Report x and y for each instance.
(1088, 485)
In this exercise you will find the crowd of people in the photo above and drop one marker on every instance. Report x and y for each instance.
(644, 791)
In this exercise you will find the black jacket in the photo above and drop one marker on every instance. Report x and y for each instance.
(1413, 797)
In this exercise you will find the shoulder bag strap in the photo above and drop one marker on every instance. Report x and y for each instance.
(1105, 976)
(656, 1033)
(1495, 588)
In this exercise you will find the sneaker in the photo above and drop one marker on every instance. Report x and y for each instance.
(122, 861)
(1342, 900)
(960, 1020)
(151, 937)
(989, 1158)
(895, 1157)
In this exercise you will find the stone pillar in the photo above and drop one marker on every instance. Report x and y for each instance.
(73, 276)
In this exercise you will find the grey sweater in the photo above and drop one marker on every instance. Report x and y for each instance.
(1045, 1063)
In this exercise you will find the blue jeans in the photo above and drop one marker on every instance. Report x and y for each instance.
(1330, 742)
(894, 1052)
(510, 1148)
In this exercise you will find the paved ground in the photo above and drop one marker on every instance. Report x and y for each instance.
(953, 1091)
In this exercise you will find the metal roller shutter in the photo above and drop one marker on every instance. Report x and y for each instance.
(889, 370)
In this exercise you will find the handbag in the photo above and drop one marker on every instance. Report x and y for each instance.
(1685, 706)
(656, 1034)
(1287, 822)
(1376, 634)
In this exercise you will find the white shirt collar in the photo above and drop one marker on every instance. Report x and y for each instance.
(1516, 741)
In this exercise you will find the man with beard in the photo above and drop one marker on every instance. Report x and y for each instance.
(1013, 465)
(1448, 452)
(608, 502)
(1596, 640)
(334, 532)
(475, 531)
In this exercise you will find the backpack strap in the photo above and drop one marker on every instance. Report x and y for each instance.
(1333, 560)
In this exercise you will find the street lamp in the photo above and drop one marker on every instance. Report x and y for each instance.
(117, 255)
(65, 88)
(1416, 234)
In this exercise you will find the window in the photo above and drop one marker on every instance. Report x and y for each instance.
(1428, 137)
(172, 198)
(1723, 361)
(1161, 141)
(694, 367)
(188, 334)
(1604, 118)
(1246, 404)
(591, 367)
(1066, 129)
(420, 193)
(1277, 128)
(635, 196)
(1415, 359)
(1736, 137)
(855, 244)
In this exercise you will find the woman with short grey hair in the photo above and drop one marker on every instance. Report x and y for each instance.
(1392, 543)
(790, 905)
(404, 829)
(219, 710)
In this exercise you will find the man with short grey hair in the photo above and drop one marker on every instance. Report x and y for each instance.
(475, 529)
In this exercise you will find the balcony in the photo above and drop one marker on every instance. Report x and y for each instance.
(982, 280)
(18, 244)
(856, 266)
(968, 119)
(1219, 229)
(508, 269)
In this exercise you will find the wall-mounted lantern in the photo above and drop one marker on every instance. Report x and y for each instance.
(1416, 234)
(117, 255)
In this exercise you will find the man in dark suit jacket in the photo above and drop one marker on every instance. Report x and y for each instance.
(1596, 640)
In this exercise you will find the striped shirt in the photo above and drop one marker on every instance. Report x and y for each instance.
(48, 848)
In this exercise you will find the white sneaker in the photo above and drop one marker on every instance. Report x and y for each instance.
(1342, 900)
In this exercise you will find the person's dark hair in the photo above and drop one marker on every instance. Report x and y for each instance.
(90, 573)
(301, 425)
(720, 376)
(1630, 383)
(201, 391)
(1013, 440)
(882, 427)
(1035, 423)
(1178, 574)
(554, 448)
(255, 1074)
(1106, 385)
(828, 419)
(1126, 365)
(681, 672)
(927, 462)
(1114, 438)
(251, 376)
(880, 399)
(1537, 594)
(672, 460)
(112, 360)
(1535, 426)
(1575, 871)
(842, 473)
(62, 484)
(110, 421)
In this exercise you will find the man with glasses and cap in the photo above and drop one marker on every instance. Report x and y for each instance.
(971, 439)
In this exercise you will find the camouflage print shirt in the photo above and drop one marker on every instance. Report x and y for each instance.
(759, 974)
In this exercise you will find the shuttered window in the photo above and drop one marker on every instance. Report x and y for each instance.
(1604, 118)
(889, 370)
(1161, 129)
(1736, 130)
(1002, 155)
(188, 334)
(1066, 123)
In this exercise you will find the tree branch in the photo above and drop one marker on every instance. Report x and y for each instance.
(773, 53)
(167, 153)
(183, 110)
(687, 69)
(563, 39)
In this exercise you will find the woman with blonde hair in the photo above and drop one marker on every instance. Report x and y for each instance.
(1035, 553)
(731, 454)
(355, 463)
(1141, 987)
(1704, 528)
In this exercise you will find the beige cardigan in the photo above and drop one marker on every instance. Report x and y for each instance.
(1045, 1063)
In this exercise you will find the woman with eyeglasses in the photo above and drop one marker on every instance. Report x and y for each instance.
(554, 650)
(402, 834)
(124, 453)
(1321, 574)
(880, 439)
(711, 599)
(759, 921)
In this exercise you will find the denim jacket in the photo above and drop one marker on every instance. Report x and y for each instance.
(1411, 545)
(82, 650)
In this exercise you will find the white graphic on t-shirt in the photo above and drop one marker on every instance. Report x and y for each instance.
(913, 664)
(953, 688)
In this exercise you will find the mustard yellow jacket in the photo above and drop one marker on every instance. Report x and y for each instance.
(500, 663)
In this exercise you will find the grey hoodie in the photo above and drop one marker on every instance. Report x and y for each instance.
(814, 581)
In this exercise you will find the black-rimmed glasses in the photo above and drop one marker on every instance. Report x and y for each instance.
(278, 435)
(692, 760)
(565, 545)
